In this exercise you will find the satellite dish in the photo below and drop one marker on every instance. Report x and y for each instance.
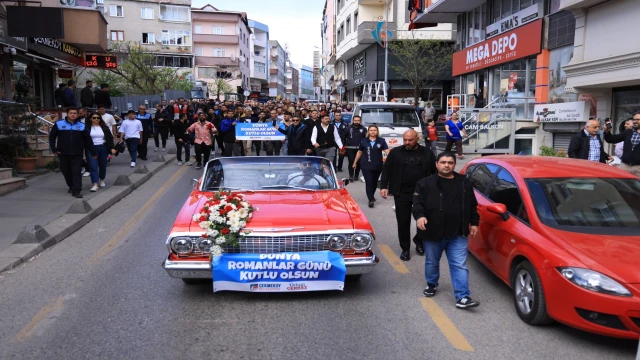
(233, 57)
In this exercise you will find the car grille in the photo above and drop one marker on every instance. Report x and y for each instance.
(274, 244)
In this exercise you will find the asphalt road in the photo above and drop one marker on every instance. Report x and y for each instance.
(101, 294)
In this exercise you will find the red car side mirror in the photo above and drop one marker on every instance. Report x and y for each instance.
(499, 209)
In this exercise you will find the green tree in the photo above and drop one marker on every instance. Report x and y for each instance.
(138, 71)
(422, 62)
(221, 86)
(117, 85)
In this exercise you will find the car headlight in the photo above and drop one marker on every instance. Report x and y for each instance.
(205, 245)
(336, 242)
(182, 245)
(594, 281)
(360, 242)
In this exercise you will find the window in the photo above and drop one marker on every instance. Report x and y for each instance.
(338, 38)
(175, 13)
(146, 13)
(259, 67)
(198, 51)
(116, 11)
(207, 72)
(197, 29)
(117, 35)
(148, 38)
(217, 30)
(348, 25)
(504, 190)
(218, 52)
(355, 21)
(482, 175)
(174, 61)
(342, 30)
(176, 37)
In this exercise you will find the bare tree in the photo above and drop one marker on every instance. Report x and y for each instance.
(422, 62)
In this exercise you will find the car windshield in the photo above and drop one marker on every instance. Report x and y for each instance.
(294, 173)
(401, 117)
(590, 205)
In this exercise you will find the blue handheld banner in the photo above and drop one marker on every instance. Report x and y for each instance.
(281, 272)
(346, 117)
(257, 131)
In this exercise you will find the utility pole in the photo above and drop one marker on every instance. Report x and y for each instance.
(386, 43)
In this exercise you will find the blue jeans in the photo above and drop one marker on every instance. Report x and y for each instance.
(98, 167)
(132, 146)
(456, 250)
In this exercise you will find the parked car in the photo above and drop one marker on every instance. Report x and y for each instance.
(302, 207)
(564, 234)
(392, 119)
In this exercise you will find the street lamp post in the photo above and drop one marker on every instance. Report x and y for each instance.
(386, 43)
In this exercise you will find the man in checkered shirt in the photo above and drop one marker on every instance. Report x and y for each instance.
(587, 144)
(631, 148)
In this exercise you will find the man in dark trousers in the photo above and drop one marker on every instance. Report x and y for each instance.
(341, 126)
(354, 134)
(69, 96)
(59, 94)
(147, 130)
(445, 209)
(68, 139)
(406, 165)
(86, 95)
(587, 145)
(161, 126)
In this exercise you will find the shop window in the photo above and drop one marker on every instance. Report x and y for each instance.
(515, 84)
(627, 103)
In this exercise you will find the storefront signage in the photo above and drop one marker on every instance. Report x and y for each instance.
(530, 14)
(359, 66)
(101, 61)
(358, 81)
(60, 46)
(516, 44)
(16, 42)
(562, 112)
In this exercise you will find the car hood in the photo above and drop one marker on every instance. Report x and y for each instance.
(612, 255)
(299, 211)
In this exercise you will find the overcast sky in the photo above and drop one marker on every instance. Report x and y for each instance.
(292, 22)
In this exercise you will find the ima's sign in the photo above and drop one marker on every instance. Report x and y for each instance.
(516, 44)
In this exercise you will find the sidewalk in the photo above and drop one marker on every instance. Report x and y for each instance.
(43, 213)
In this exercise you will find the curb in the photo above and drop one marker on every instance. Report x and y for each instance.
(35, 239)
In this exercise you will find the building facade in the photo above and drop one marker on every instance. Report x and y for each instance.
(277, 70)
(221, 46)
(259, 62)
(292, 81)
(327, 56)
(307, 91)
(160, 28)
(360, 59)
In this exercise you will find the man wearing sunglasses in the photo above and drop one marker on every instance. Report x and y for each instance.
(297, 140)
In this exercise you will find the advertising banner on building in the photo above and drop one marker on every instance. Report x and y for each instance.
(530, 14)
(257, 131)
(515, 44)
(281, 272)
(562, 112)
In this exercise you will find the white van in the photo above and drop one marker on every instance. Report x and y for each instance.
(392, 118)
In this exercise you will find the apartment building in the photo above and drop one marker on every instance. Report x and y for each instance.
(161, 28)
(277, 70)
(259, 50)
(221, 46)
(292, 81)
(307, 91)
(328, 55)
(360, 58)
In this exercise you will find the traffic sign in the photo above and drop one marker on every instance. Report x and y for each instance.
(247, 93)
(340, 89)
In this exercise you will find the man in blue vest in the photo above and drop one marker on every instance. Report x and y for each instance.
(147, 130)
(68, 139)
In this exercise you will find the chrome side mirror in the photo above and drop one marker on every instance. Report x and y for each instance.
(194, 183)
(345, 182)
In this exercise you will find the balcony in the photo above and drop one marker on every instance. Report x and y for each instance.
(215, 61)
(259, 43)
(446, 11)
(364, 31)
(273, 71)
(215, 39)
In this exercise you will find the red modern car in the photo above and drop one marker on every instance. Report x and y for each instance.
(564, 234)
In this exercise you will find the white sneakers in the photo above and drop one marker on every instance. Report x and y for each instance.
(86, 173)
(188, 163)
(179, 162)
(156, 149)
(102, 184)
(94, 188)
(133, 164)
(164, 149)
(362, 178)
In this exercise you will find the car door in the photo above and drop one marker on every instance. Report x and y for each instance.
(480, 177)
(503, 236)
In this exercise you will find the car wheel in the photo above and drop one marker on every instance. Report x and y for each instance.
(528, 295)
(190, 281)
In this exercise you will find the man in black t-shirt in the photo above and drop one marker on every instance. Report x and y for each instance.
(406, 165)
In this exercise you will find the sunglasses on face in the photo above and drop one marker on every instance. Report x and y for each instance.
(96, 117)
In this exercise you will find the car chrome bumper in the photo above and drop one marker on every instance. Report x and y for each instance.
(202, 269)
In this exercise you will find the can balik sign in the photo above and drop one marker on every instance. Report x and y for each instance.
(223, 217)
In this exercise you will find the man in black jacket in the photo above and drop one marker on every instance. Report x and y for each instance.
(354, 133)
(102, 96)
(405, 165)
(68, 139)
(587, 144)
(161, 124)
(59, 94)
(631, 150)
(341, 126)
(86, 95)
(445, 209)
(296, 135)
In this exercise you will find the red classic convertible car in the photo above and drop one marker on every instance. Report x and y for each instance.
(564, 234)
(301, 207)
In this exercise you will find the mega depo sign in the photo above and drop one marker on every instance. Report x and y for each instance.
(516, 44)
